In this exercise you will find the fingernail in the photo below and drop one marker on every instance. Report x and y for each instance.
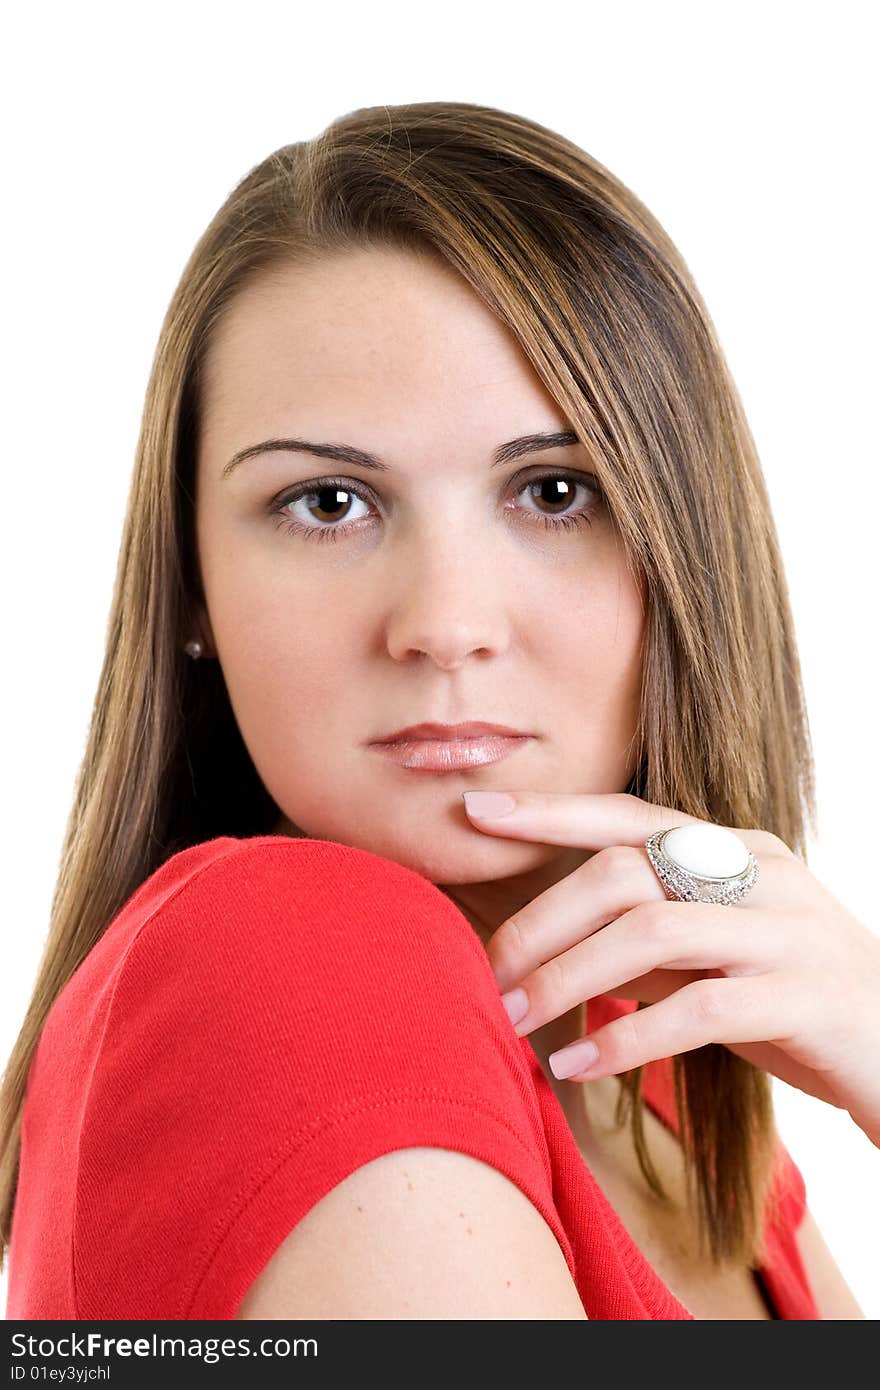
(568, 1061)
(516, 1002)
(488, 805)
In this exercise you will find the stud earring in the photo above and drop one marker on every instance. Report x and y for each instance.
(194, 649)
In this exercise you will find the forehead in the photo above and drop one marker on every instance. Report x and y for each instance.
(379, 321)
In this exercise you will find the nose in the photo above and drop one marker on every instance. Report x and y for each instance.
(449, 602)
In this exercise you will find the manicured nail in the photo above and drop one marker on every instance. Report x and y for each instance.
(488, 805)
(516, 1002)
(568, 1061)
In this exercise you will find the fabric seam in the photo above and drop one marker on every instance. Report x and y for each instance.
(300, 1142)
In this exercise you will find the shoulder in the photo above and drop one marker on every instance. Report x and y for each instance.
(313, 877)
(421, 1232)
(289, 1011)
(343, 926)
(276, 948)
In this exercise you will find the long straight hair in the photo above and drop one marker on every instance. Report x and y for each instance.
(607, 312)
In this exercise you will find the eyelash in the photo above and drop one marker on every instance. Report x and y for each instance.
(333, 532)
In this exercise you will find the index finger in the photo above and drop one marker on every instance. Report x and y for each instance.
(587, 820)
(596, 820)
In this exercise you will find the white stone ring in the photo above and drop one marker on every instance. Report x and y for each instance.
(702, 863)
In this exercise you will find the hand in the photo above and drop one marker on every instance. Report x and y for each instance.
(787, 978)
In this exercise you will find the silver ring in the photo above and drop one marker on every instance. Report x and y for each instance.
(682, 855)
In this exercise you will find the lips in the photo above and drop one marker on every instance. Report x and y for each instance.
(446, 755)
(420, 733)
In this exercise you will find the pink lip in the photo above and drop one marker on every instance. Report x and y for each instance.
(472, 729)
(451, 755)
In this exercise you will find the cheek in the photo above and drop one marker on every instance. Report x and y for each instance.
(592, 673)
(290, 683)
(288, 666)
(287, 657)
(598, 646)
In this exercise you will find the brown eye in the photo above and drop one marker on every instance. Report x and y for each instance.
(559, 491)
(555, 492)
(327, 503)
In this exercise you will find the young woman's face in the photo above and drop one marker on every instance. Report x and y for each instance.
(442, 588)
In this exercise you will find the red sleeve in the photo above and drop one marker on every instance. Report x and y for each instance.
(296, 1009)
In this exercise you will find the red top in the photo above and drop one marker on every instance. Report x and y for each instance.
(261, 1018)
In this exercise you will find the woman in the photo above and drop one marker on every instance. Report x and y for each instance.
(438, 433)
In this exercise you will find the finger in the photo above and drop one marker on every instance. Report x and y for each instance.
(650, 937)
(656, 984)
(597, 820)
(609, 884)
(757, 1009)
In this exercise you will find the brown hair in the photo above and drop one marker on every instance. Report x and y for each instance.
(605, 308)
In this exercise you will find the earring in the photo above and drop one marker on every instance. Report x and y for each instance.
(194, 649)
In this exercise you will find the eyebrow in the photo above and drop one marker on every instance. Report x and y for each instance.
(347, 453)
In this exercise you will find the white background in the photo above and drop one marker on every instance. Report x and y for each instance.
(749, 132)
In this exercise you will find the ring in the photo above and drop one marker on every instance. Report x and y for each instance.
(702, 863)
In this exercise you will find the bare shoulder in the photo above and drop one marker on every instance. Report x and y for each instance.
(834, 1298)
(426, 1233)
